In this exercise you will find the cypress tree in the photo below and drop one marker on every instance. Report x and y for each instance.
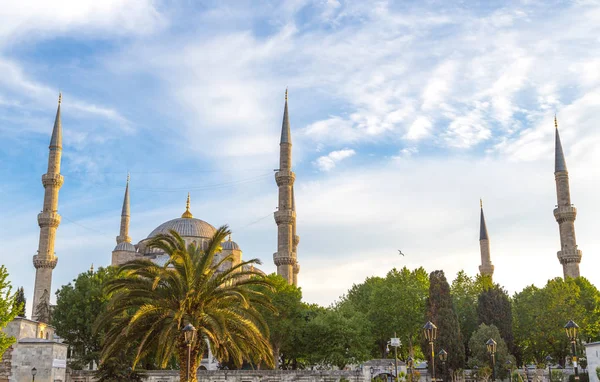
(20, 300)
(494, 308)
(440, 311)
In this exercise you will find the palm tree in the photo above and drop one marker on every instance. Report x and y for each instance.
(150, 304)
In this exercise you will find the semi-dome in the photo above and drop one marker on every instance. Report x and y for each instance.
(125, 246)
(230, 245)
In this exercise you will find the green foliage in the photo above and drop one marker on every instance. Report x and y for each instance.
(20, 302)
(9, 308)
(540, 314)
(598, 372)
(557, 376)
(43, 313)
(583, 377)
(440, 311)
(78, 304)
(117, 369)
(479, 354)
(285, 321)
(337, 337)
(394, 304)
(150, 304)
(465, 293)
(494, 308)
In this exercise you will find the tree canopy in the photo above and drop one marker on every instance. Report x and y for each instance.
(9, 308)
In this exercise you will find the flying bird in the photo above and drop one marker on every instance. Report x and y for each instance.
(400, 252)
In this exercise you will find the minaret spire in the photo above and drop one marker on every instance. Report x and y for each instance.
(565, 213)
(45, 260)
(125, 216)
(124, 251)
(285, 216)
(486, 267)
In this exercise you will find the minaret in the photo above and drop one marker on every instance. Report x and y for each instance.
(124, 251)
(284, 216)
(486, 267)
(565, 213)
(45, 260)
(296, 240)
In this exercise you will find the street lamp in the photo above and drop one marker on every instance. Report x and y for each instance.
(189, 333)
(409, 365)
(33, 373)
(430, 333)
(549, 363)
(491, 348)
(572, 328)
(509, 367)
(443, 357)
(475, 370)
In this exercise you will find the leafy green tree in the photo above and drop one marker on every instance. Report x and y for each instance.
(20, 301)
(465, 292)
(394, 304)
(494, 308)
(285, 320)
(338, 337)
(539, 315)
(9, 308)
(150, 305)
(440, 311)
(78, 305)
(479, 354)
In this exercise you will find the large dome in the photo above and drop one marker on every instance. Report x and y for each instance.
(189, 227)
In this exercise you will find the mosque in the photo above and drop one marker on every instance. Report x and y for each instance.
(192, 229)
(285, 258)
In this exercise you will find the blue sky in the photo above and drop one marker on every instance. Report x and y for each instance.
(403, 115)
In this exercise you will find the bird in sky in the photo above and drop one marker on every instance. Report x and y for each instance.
(400, 252)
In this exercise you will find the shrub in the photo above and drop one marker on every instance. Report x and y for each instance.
(583, 377)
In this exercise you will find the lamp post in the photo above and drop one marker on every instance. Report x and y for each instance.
(372, 371)
(33, 373)
(491, 348)
(409, 366)
(509, 367)
(444, 357)
(549, 362)
(189, 332)
(430, 333)
(395, 342)
(475, 370)
(572, 328)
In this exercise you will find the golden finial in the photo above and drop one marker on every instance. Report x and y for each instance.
(128, 177)
(286, 94)
(187, 214)
(59, 97)
(480, 203)
(555, 121)
(92, 268)
(229, 237)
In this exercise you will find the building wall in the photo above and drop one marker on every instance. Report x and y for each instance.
(592, 354)
(49, 358)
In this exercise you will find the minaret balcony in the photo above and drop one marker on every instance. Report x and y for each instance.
(283, 259)
(42, 262)
(569, 256)
(48, 219)
(284, 217)
(52, 180)
(285, 178)
(565, 213)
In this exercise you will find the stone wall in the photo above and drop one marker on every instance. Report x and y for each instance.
(49, 358)
(241, 376)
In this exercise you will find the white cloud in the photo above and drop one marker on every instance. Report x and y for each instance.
(329, 161)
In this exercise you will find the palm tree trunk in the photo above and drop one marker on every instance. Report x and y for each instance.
(182, 357)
